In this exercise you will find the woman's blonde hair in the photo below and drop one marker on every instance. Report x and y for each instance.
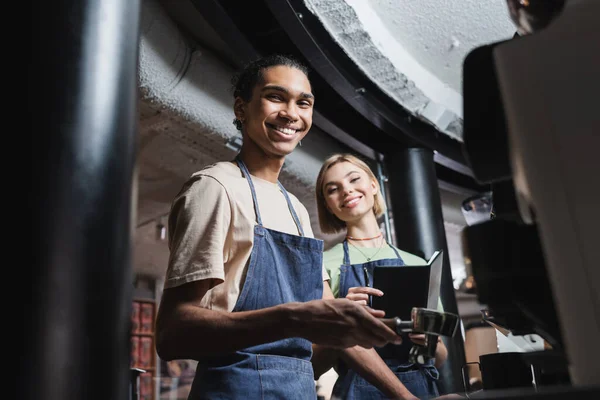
(328, 222)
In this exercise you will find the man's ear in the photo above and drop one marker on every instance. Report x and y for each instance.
(239, 108)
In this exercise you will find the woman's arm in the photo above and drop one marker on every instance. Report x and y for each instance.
(325, 358)
(367, 363)
(441, 352)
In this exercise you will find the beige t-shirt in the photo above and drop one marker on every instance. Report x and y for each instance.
(211, 229)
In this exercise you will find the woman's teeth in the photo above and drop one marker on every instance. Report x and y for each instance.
(352, 202)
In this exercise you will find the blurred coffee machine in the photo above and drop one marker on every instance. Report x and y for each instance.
(532, 133)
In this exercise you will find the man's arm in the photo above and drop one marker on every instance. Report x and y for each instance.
(365, 362)
(186, 330)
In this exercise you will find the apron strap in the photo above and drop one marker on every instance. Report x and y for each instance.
(291, 207)
(346, 253)
(395, 251)
(242, 166)
(244, 169)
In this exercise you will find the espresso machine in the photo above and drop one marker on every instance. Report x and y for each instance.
(532, 133)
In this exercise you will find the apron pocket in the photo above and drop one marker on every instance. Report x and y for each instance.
(286, 378)
(416, 381)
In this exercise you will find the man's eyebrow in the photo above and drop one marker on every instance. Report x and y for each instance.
(307, 95)
(286, 91)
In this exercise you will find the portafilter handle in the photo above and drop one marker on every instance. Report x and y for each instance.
(426, 320)
(432, 323)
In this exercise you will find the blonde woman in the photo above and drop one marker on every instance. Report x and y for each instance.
(349, 199)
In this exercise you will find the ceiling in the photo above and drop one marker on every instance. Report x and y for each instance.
(414, 49)
(190, 48)
(438, 34)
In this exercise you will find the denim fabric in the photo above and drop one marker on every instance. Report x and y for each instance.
(418, 379)
(282, 268)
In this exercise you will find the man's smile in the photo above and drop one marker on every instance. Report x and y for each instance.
(283, 129)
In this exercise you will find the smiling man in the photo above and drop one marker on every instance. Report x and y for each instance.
(245, 292)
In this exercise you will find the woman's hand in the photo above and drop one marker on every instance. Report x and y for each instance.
(361, 294)
(441, 352)
(419, 338)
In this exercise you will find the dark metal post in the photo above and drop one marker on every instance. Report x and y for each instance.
(419, 227)
(82, 108)
(382, 184)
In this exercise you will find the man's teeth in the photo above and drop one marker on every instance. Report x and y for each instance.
(287, 131)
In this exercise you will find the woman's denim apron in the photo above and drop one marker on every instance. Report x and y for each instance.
(282, 268)
(419, 380)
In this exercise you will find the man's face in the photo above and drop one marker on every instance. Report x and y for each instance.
(279, 114)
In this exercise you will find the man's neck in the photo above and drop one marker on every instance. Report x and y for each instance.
(260, 164)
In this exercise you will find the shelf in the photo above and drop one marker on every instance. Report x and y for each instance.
(144, 300)
(144, 316)
(149, 334)
(149, 369)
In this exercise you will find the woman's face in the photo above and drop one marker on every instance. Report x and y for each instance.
(279, 114)
(349, 191)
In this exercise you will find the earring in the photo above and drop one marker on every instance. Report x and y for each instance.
(300, 143)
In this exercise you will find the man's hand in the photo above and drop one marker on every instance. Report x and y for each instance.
(341, 323)
(361, 294)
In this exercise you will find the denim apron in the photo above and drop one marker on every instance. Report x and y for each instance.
(282, 268)
(418, 379)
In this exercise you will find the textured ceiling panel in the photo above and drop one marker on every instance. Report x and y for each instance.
(413, 49)
(438, 34)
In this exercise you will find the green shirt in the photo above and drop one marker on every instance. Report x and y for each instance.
(334, 257)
